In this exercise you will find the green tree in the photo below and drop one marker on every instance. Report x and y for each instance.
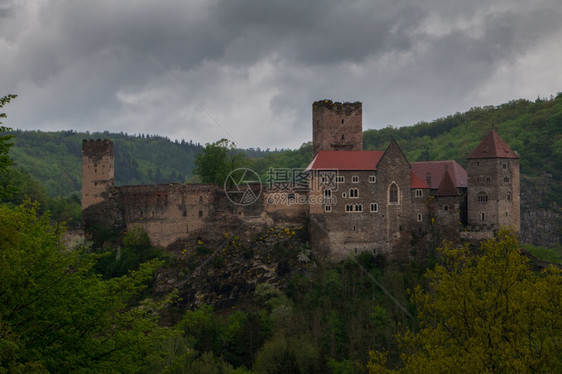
(217, 160)
(57, 314)
(5, 145)
(485, 314)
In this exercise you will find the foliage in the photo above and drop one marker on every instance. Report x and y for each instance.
(136, 251)
(5, 145)
(215, 162)
(485, 313)
(553, 255)
(56, 314)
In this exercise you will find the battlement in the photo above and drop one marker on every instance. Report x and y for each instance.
(340, 108)
(97, 147)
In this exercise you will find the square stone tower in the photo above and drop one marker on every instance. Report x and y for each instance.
(336, 126)
(97, 171)
(493, 185)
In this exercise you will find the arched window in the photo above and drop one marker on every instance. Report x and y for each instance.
(393, 194)
(482, 197)
(508, 196)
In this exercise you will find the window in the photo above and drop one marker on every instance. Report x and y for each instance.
(354, 192)
(344, 195)
(482, 197)
(482, 216)
(419, 193)
(508, 197)
(374, 207)
(328, 208)
(354, 230)
(506, 179)
(200, 213)
(445, 207)
(327, 193)
(355, 179)
(372, 179)
(342, 138)
(420, 217)
(488, 179)
(393, 194)
(353, 208)
(341, 179)
(504, 166)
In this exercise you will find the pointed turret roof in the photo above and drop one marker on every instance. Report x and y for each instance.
(447, 186)
(493, 146)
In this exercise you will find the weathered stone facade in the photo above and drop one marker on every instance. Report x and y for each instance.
(357, 201)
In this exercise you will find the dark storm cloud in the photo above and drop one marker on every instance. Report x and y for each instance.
(255, 67)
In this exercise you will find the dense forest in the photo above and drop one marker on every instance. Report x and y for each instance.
(73, 306)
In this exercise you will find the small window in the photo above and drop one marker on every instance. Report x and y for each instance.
(372, 179)
(374, 207)
(482, 216)
(344, 195)
(328, 208)
(420, 217)
(488, 179)
(348, 208)
(342, 123)
(355, 179)
(445, 207)
(342, 138)
(482, 197)
(506, 179)
(200, 213)
(354, 230)
(354, 192)
(419, 193)
(508, 197)
(477, 163)
(393, 194)
(327, 193)
(341, 179)
(358, 207)
(184, 213)
(504, 166)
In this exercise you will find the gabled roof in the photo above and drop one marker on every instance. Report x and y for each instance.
(493, 146)
(346, 160)
(436, 169)
(447, 186)
(416, 182)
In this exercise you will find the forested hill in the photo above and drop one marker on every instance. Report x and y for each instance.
(54, 158)
(533, 129)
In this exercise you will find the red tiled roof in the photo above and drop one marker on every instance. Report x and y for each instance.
(447, 186)
(416, 182)
(493, 146)
(346, 160)
(436, 169)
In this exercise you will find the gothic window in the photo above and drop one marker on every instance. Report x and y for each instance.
(372, 179)
(355, 179)
(349, 208)
(341, 179)
(419, 193)
(327, 193)
(353, 192)
(393, 194)
(358, 207)
(482, 197)
(374, 207)
(508, 196)
(420, 217)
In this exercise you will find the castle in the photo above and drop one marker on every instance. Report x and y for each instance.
(353, 200)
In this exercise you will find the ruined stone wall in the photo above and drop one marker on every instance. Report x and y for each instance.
(336, 126)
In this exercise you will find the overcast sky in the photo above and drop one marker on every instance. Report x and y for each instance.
(250, 70)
